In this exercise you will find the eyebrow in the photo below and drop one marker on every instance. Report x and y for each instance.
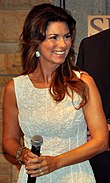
(57, 34)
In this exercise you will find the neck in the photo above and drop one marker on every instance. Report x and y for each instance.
(44, 72)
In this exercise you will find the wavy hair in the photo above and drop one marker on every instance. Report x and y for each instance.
(34, 32)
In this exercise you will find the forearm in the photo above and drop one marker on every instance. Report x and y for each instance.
(80, 154)
(16, 150)
(11, 146)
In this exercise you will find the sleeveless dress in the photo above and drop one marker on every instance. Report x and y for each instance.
(62, 127)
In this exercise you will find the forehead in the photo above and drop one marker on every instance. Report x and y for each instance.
(56, 27)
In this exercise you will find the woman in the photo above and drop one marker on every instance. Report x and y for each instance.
(55, 100)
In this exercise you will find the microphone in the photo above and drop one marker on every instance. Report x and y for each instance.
(36, 143)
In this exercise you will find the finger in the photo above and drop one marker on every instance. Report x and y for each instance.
(41, 171)
(36, 172)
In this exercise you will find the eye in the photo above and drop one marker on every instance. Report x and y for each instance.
(68, 36)
(54, 37)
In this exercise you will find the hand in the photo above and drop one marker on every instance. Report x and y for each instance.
(108, 127)
(38, 166)
(24, 155)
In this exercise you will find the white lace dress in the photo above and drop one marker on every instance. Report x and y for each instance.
(62, 127)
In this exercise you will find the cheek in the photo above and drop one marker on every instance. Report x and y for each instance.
(47, 46)
(50, 45)
(69, 44)
(68, 47)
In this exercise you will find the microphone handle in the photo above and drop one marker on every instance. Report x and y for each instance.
(35, 150)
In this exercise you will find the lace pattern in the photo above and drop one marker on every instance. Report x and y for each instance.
(62, 127)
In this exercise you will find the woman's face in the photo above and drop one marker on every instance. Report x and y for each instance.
(54, 49)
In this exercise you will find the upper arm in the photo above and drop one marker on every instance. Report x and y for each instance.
(93, 111)
(11, 127)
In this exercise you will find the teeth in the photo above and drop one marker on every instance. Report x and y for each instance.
(59, 52)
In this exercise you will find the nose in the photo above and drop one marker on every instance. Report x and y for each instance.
(62, 43)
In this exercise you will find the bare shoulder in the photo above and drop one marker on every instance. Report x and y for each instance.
(9, 89)
(94, 94)
(10, 85)
(87, 79)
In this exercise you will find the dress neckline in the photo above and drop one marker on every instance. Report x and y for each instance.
(37, 88)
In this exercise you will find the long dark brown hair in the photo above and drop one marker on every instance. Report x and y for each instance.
(34, 32)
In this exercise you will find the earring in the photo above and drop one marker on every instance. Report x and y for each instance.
(37, 53)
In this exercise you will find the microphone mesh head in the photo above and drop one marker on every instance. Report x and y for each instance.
(37, 140)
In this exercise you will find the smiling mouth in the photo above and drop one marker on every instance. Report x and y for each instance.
(59, 52)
